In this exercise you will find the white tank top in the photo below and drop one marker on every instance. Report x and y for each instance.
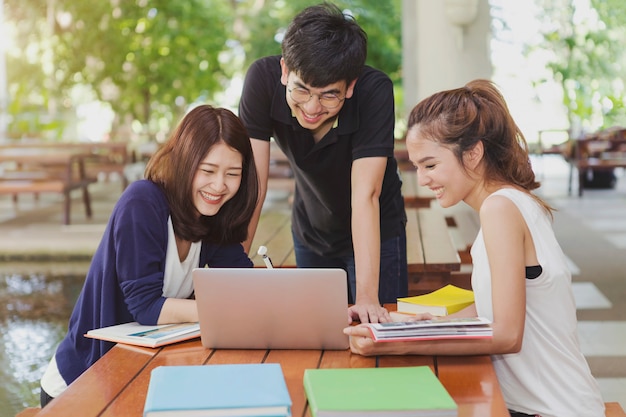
(549, 376)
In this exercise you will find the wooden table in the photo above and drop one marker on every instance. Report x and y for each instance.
(415, 195)
(45, 169)
(597, 152)
(117, 384)
(432, 255)
(595, 165)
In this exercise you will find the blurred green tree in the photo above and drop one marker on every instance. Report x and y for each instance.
(148, 59)
(151, 59)
(586, 58)
(263, 23)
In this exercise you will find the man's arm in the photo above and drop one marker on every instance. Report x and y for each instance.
(261, 150)
(367, 180)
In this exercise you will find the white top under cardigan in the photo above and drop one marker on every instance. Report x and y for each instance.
(177, 283)
(177, 280)
(549, 376)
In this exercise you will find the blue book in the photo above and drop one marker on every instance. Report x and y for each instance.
(236, 390)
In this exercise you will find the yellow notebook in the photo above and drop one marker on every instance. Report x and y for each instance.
(444, 301)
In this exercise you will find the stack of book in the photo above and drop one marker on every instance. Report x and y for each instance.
(440, 328)
(377, 392)
(442, 302)
(235, 390)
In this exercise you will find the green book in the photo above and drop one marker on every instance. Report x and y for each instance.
(377, 392)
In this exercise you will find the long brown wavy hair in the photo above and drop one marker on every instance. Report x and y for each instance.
(175, 164)
(462, 117)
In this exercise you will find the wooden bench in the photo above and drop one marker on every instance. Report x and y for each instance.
(100, 158)
(463, 225)
(108, 158)
(51, 186)
(414, 194)
(36, 171)
(401, 154)
(431, 253)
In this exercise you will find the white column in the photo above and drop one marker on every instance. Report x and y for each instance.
(4, 93)
(439, 54)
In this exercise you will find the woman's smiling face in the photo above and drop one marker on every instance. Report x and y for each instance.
(217, 179)
(437, 168)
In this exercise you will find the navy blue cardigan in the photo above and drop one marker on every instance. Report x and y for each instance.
(125, 279)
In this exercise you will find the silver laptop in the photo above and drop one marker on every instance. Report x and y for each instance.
(281, 308)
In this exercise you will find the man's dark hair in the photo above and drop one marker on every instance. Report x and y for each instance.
(323, 46)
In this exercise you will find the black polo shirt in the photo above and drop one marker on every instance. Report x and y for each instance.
(322, 208)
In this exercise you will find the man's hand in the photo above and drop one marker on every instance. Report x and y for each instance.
(369, 313)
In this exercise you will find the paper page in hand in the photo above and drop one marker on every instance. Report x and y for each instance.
(444, 328)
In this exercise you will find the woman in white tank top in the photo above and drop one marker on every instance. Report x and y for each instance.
(467, 147)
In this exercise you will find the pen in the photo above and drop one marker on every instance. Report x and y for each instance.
(263, 253)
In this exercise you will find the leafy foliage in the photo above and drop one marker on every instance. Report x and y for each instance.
(143, 57)
(265, 22)
(586, 60)
(151, 59)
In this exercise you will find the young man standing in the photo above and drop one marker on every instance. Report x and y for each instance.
(333, 117)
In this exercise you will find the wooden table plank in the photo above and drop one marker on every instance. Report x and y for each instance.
(225, 356)
(294, 363)
(345, 359)
(414, 194)
(414, 250)
(94, 390)
(431, 253)
(281, 250)
(274, 232)
(390, 361)
(131, 400)
(439, 250)
(472, 382)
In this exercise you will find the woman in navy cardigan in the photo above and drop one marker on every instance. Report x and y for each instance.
(192, 210)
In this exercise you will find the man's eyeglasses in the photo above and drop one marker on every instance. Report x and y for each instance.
(302, 95)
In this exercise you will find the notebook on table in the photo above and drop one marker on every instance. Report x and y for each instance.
(280, 308)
